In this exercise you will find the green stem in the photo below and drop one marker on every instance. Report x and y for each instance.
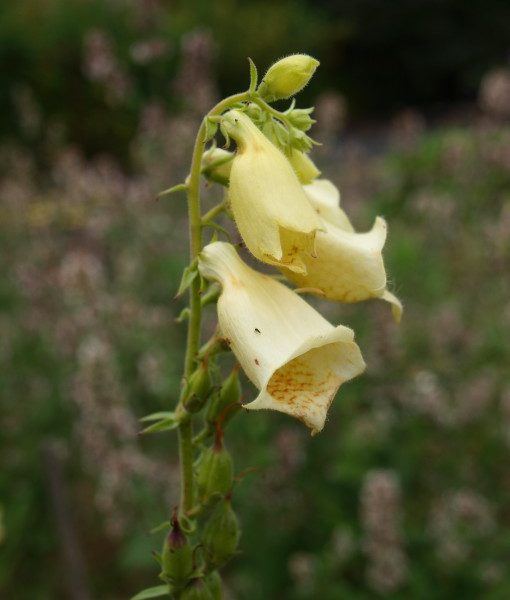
(214, 212)
(194, 321)
(272, 111)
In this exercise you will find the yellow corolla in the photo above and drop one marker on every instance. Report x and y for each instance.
(271, 210)
(348, 266)
(296, 358)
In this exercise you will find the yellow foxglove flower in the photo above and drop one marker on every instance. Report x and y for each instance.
(287, 76)
(270, 207)
(296, 358)
(349, 266)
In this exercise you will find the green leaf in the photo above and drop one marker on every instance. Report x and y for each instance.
(153, 592)
(188, 275)
(254, 76)
(157, 528)
(180, 187)
(158, 416)
(183, 315)
(163, 425)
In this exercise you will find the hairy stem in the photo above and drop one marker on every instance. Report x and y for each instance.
(194, 321)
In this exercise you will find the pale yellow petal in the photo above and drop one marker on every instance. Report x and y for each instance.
(348, 266)
(325, 198)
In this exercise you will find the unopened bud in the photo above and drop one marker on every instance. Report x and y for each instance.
(227, 403)
(214, 472)
(216, 165)
(300, 118)
(176, 558)
(303, 166)
(287, 77)
(196, 590)
(198, 388)
(221, 534)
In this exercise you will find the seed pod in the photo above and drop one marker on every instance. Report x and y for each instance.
(177, 556)
(196, 590)
(198, 388)
(287, 77)
(214, 471)
(213, 582)
(221, 534)
(227, 403)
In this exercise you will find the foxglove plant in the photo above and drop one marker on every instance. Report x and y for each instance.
(290, 219)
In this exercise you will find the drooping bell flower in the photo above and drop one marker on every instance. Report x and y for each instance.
(271, 210)
(348, 266)
(294, 356)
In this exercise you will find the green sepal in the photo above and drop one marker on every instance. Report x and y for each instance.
(211, 128)
(221, 534)
(227, 402)
(214, 585)
(196, 590)
(214, 471)
(254, 76)
(153, 592)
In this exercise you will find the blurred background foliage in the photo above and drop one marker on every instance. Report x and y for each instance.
(406, 492)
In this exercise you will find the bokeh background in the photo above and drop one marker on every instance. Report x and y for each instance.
(406, 494)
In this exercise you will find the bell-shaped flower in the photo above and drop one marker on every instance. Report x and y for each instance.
(272, 212)
(348, 266)
(296, 358)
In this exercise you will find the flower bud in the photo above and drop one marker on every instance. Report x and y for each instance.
(198, 388)
(176, 558)
(213, 583)
(221, 534)
(214, 471)
(197, 589)
(300, 118)
(303, 166)
(227, 403)
(287, 77)
(216, 165)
